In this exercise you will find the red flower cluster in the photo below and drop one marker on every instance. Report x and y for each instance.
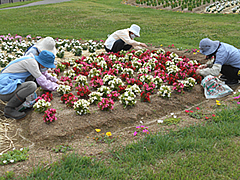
(67, 64)
(63, 78)
(96, 82)
(83, 91)
(47, 97)
(49, 116)
(121, 89)
(69, 99)
(145, 96)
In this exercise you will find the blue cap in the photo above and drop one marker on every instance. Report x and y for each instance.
(46, 58)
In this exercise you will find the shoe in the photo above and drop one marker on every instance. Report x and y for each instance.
(223, 78)
(231, 81)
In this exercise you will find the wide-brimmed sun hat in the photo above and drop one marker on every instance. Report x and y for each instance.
(48, 44)
(46, 58)
(207, 46)
(135, 29)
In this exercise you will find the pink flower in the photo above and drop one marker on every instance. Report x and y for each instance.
(187, 111)
(135, 133)
(197, 108)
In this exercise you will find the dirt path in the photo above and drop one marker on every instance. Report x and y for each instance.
(37, 3)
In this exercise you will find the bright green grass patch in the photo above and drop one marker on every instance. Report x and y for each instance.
(207, 151)
(17, 4)
(95, 19)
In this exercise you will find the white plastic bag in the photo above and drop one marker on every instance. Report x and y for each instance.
(30, 101)
(214, 88)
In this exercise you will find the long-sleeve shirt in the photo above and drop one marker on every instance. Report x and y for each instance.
(28, 65)
(225, 55)
(120, 34)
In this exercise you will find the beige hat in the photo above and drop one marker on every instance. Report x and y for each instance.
(48, 44)
(135, 29)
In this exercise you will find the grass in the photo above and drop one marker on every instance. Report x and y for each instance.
(7, 5)
(95, 19)
(207, 151)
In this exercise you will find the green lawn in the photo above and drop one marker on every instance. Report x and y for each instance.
(207, 151)
(95, 19)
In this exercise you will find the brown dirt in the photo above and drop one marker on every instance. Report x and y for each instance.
(78, 131)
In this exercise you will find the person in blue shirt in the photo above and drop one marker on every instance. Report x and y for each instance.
(225, 60)
(14, 87)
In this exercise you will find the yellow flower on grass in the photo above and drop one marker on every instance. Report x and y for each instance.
(108, 133)
(98, 130)
(218, 102)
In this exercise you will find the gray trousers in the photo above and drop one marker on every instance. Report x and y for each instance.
(23, 90)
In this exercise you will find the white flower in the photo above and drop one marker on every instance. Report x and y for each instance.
(4, 162)
(0, 154)
(160, 121)
(12, 161)
(21, 149)
(141, 122)
(174, 116)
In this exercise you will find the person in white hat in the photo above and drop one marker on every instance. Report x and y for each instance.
(124, 40)
(46, 43)
(225, 60)
(13, 85)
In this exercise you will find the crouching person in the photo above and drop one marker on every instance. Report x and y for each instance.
(13, 85)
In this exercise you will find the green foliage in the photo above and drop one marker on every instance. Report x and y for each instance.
(14, 156)
(103, 138)
(171, 121)
(8, 175)
(62, 148)
(196, 114)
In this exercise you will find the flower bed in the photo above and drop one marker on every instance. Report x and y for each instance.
(120, 78)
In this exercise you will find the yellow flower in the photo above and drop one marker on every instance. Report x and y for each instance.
(98, 130)
(161, 45)
(218, 104)
(217, 101)
(109, 134)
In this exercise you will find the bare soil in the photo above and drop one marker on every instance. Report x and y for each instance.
(79, 131)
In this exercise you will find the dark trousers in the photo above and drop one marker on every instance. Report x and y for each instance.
(118, 46)
(230, 72)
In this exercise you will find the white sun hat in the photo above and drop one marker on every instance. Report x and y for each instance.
(207, 46)
(48, 44)
(135, 29)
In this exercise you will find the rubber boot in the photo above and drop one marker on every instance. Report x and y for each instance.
(10, 110)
